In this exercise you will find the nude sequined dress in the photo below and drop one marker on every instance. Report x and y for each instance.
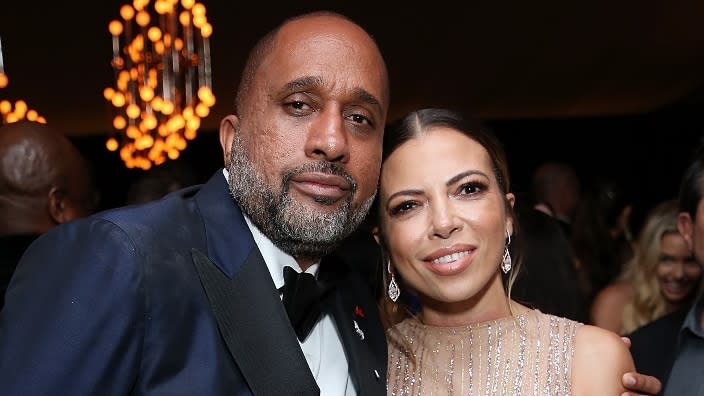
(527, 354)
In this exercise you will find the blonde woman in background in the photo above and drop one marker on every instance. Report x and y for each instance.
(661, 278)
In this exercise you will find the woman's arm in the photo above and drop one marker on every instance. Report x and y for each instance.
(600, 360)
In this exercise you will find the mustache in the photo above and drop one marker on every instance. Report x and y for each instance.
(321, 167)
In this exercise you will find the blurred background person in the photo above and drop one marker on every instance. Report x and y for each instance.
(548, 279)
(601, 235)
(44, 181)
(661, 278)
(672, 348)
(556, 191)
(160, 180)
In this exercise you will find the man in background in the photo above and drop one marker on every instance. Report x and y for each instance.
(44, 181)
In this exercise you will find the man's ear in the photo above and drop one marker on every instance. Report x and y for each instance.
(228, 128)
(56, 204)
(684, 226)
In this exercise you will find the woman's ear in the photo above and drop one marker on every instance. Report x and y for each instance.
(377, 236)
(509, 222)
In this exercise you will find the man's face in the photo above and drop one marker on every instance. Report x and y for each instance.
(306, 145)
(692, 229)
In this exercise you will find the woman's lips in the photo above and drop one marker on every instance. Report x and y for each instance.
(450, 261)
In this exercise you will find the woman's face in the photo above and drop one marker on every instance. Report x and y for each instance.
(677, 272)
(445, 223)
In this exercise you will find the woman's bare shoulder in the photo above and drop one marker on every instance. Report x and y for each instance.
(600, 360)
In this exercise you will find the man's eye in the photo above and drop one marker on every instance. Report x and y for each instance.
(298, 104)
(360, 119)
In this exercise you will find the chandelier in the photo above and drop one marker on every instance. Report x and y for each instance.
(19, 110)
(163, 81)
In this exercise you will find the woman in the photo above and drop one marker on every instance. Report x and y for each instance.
(661, 278)
(445, 223)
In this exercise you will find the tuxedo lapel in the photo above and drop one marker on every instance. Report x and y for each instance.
(255, 327)
(356, 317)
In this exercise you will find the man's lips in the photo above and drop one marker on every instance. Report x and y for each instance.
(321, 185)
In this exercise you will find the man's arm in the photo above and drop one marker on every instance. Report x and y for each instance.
(71, 323)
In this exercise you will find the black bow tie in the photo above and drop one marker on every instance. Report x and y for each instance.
(301, 298)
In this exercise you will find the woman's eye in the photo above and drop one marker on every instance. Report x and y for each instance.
(471, 188)
(403, 207)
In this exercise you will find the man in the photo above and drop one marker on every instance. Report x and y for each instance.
(44, 182)
(180, 296)
(556, 191)
(672, 347)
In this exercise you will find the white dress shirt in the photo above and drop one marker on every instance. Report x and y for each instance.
(322, 348)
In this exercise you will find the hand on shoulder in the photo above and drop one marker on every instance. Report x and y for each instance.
(600, 360)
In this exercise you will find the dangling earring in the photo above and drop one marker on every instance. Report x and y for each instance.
(393, 291)
(506, 262)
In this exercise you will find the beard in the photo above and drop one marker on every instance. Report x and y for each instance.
(298, 229)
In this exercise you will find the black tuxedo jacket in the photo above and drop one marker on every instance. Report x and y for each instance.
(654, 345)
(170, 298)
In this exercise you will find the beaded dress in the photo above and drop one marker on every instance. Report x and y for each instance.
(527, 354)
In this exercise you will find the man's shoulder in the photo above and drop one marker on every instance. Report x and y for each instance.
(666, 326)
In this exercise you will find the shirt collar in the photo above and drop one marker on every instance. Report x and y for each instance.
(692, 322)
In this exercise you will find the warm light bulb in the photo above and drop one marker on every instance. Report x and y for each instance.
(199, 20)
(193, 123)
(115, 28)
(32, 115)
(142, 18)
(188, 4)
(118, 100)
(190, 134)
(167, 108)
(206, 30)
(20, 107)
(5, 106)
(139, 4)
(119, 122)
(126, 12)
(198, 9)
(154, 33)
(132, 111)
(111, 144)
(185, 18)
(150, 121)
(133, 132)
(163, 7)
(3, 80)
(108, 93)
(202, 110)
(146, 93)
